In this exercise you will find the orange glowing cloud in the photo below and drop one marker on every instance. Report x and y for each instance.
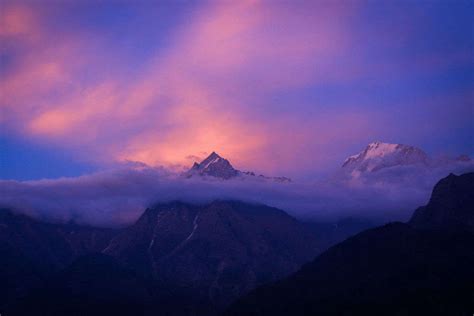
(201, 94)
(74, 115)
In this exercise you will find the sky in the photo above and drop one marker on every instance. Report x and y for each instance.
(102, 102)
(281, 87)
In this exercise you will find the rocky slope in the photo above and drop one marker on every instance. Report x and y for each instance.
(218, 251)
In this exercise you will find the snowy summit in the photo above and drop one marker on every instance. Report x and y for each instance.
(215, 166)
(379, 155)
(218, 167)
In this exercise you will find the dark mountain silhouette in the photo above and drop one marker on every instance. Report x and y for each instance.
(396, 269)
(96, 284)
(332, 233)
(52, 245)
(218, 251)
(177, 259)
(451, 205)
(31, 251)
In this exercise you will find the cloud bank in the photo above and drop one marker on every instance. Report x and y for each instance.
(118, 197)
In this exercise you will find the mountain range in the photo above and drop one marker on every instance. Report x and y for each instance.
(201, 259)
(375, 157)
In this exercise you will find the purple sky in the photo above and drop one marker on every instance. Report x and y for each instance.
(281, 87)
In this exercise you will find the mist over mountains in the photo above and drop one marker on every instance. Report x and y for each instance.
(117, 197)
(185, 259)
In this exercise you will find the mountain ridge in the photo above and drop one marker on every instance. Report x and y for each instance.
(450, 206)
(394, 269)
(209, 247)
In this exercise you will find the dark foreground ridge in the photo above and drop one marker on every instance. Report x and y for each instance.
(177, 259)
(396, 269)
(451, 205)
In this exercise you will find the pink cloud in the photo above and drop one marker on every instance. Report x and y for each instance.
(208, 90)
(176, 108)
(17, 20)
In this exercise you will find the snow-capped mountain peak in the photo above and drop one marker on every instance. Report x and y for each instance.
(212, 158)
(218, 167)
(378, 155)
(379, 149)
(215, 166)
